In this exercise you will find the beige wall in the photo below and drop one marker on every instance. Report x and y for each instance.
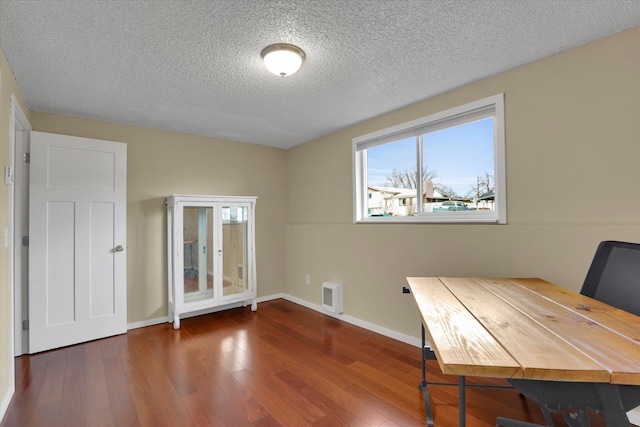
(573, 172)
(162, 163)
(8, 86)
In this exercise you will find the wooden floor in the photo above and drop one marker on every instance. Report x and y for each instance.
(284, 365)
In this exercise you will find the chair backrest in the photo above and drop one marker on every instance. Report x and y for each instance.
(614, 276)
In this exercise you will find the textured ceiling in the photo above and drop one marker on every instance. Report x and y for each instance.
(195, 67)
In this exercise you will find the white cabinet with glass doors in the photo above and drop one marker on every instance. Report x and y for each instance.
(211, 253)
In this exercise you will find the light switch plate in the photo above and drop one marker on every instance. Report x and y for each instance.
(8, 175)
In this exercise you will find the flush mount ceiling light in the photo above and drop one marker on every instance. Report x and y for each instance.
(282, 59)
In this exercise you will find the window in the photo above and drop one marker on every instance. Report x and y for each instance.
(446, 167)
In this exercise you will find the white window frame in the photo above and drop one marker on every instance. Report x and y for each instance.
(492, 106)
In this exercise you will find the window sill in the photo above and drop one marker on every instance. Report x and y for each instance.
(436, 218)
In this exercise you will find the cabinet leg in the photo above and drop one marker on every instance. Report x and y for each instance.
(254, 305)
(176, 322)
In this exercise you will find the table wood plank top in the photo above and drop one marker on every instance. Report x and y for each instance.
(526, 328)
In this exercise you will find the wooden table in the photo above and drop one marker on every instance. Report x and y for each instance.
(525, 329)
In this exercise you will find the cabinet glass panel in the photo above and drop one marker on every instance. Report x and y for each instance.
(234, 250)
(198, 253)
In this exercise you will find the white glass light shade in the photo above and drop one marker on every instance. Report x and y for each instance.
(282, 59)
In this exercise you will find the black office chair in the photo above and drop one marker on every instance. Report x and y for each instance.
(613, 278)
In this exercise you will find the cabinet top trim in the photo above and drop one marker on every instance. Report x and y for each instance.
(203, 198)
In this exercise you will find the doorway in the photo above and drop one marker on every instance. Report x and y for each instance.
(19, 226)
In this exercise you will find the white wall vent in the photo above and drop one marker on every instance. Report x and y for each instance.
(332, 297)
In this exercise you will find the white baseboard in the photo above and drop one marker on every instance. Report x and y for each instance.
(271, 297)
(6, 401)
(349, 319)
(417, 342)
(159, 320)
(144, 323)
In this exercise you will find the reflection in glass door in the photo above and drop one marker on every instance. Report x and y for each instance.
(198, 254)
(234, 250)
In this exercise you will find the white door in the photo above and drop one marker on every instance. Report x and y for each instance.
(77, 221)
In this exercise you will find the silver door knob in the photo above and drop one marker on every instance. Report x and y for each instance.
(119, 248)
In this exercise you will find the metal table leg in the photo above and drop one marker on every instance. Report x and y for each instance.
(423, 383)
(462, 401)
(428, 354)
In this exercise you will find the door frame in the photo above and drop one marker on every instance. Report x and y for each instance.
(18, 123)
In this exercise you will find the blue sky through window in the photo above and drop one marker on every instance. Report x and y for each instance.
(458, 155)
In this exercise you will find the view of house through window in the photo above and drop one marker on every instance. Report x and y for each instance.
(445, 167)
